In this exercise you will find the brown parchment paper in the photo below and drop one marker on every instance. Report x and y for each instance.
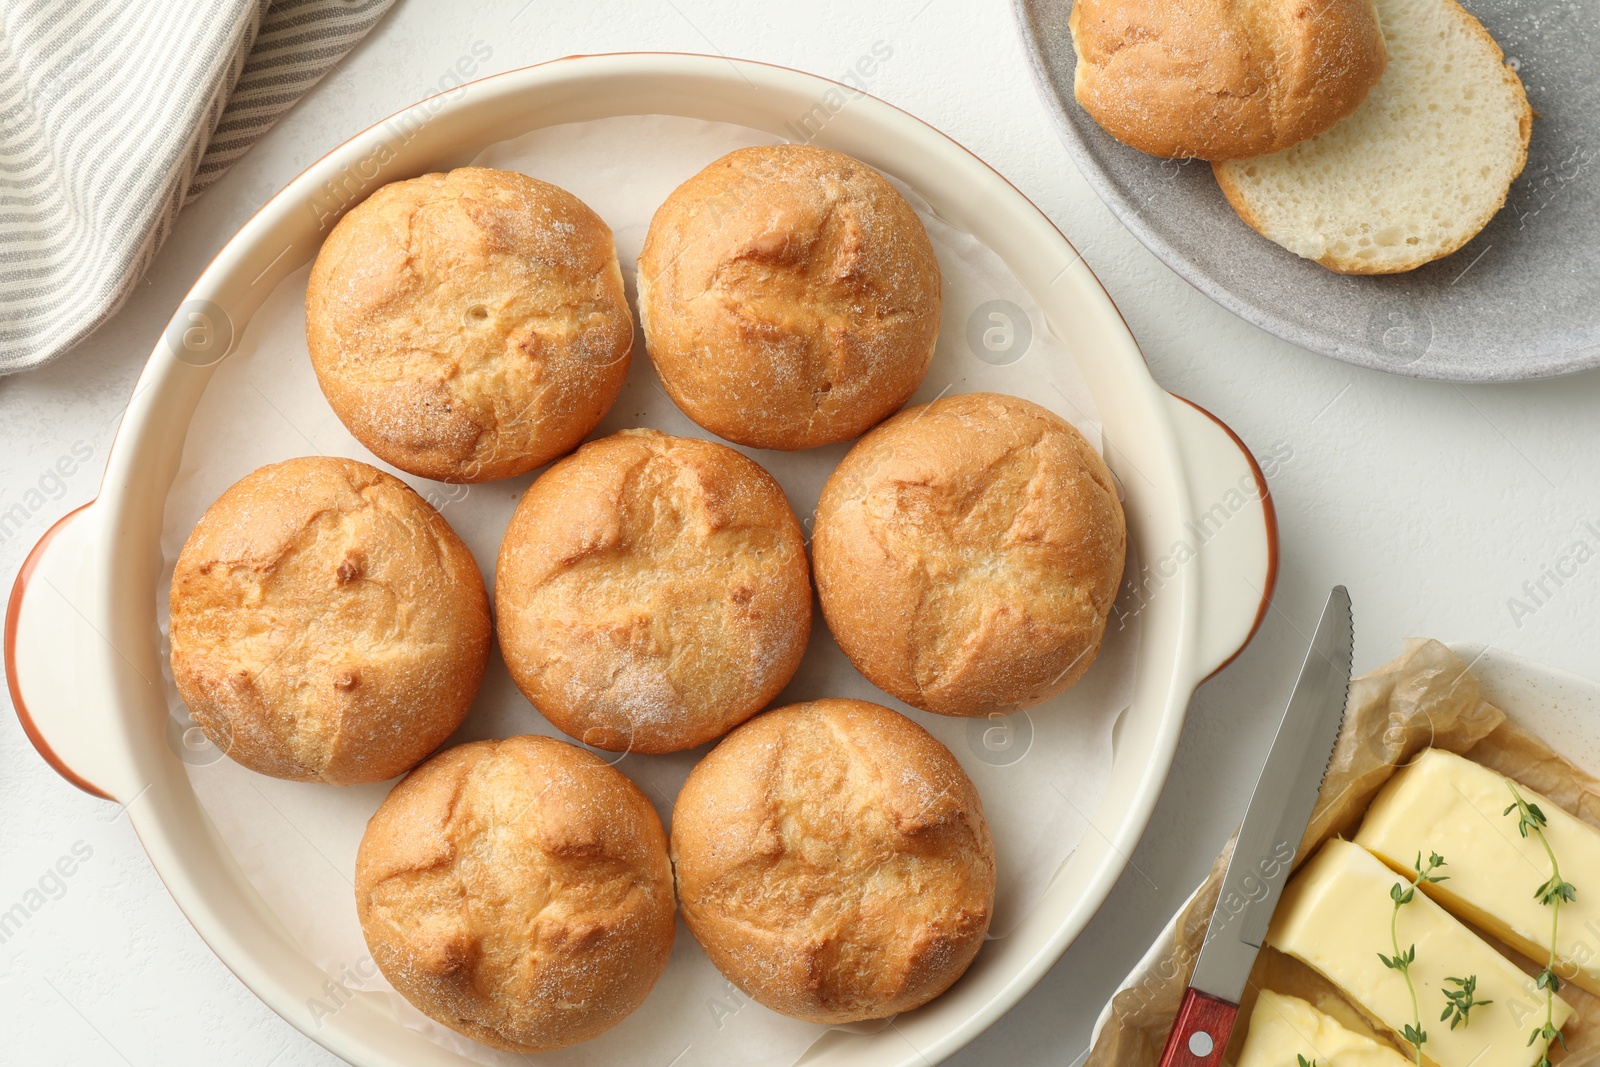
(1426, 697)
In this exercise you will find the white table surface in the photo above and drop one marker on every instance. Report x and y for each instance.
(1433, 503)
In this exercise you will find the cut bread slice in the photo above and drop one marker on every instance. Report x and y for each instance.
(1416, 171)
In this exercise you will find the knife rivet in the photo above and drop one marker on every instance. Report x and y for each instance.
(1200, 1043)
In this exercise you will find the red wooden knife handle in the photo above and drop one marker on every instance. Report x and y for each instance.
(1200, 1032)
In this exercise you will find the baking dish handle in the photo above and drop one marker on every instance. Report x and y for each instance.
(63, 708)
(1231, 535)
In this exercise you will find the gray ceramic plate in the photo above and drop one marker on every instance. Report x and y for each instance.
(1519, 301)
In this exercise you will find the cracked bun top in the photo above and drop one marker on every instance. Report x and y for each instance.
(968, 553)
(469, 326)
(652, 592)
(326, 623)
(518, 892)
(790, 297)
(833, 860)
(1223, 79)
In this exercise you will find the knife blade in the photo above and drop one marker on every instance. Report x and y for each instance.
(1276, 819)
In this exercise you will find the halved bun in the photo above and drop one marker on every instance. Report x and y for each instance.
(1417, 171)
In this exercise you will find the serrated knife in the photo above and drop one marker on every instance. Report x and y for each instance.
(1279, 811)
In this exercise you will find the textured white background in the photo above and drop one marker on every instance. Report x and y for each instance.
(1433, 503)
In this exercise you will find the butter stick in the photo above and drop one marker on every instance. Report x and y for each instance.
(1335, 916)
(1285, 1028)
(1457, 808)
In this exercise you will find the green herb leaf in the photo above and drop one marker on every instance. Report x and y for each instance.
(1460, 1001)
(1403, 894)
(1553, 893)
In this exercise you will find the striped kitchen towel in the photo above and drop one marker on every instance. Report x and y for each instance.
(114, 114)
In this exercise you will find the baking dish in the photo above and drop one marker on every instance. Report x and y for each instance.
(82, 644)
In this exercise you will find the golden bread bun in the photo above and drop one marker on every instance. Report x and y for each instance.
(1215, 79)
(967, 554)
(833, 860)
(469, 326)
(326, 623)
(790, 297)
(652, 592)
(518, 892)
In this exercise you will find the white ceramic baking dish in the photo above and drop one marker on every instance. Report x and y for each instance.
(81, 639)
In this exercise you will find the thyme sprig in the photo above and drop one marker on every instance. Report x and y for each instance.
(1460, 1001)
(1402, 961)
(1553, 893)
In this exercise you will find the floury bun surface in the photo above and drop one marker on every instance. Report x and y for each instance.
(968, 553)
(518, 892)
(833, 860)
(790, 297)
(652, 592)
(326, 623)
(469, 326)
(1215, 79)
